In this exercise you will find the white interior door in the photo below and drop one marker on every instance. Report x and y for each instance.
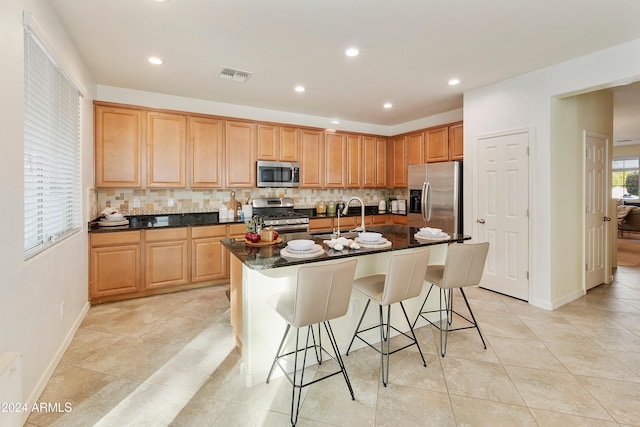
(503, 211)
(596, 199)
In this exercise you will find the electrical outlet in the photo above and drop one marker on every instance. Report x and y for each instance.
(136, 203)
(62, 310)
(170, 202)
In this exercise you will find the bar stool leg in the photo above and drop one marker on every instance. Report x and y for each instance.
(295, 403)
(275, 359)
(475, 322)
(424, 363)
(358, 327)
(336, 350)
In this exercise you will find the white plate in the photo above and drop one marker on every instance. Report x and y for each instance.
(380, 241)
(300, 245)
(370, 237)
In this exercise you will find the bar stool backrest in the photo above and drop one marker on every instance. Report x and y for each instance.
(464, 265)
(323, 292)
(405, 276)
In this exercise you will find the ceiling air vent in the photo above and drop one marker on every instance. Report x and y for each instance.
(232, 74)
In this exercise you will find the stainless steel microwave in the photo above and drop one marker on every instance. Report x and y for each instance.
(277, 174)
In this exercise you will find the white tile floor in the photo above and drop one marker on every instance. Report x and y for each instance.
(171, 360)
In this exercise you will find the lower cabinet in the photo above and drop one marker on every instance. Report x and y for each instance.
(208, 254)
(166, 258)
(115, 264)
(129, 264)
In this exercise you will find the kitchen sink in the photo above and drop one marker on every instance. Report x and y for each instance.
(329, 236)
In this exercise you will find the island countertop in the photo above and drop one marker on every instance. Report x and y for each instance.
(269, 256)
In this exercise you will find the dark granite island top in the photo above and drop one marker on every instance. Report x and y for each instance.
(267, 257)
(258, 273)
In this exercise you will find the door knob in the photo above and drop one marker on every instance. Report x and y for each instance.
(481, 221)
(606, 218)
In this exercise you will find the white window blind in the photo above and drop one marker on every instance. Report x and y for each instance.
(51, 149)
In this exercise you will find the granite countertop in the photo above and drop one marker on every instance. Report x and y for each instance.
(266, 257)
(143, 222)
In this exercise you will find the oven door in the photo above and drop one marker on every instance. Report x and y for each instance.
(291, 228)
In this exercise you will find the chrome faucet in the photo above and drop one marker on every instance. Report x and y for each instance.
(346, 209)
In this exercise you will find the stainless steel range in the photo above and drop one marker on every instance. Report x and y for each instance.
(279, 214)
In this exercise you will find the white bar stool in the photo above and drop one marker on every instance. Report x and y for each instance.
(463, 267)
(403, 280)
(322, 293)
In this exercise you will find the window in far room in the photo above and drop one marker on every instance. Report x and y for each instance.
(624, 180)
(52, 109)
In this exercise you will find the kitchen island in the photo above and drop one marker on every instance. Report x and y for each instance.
(259, 272)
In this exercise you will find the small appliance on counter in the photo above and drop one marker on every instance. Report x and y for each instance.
(382, 206)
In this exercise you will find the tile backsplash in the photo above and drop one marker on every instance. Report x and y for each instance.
(159, 201)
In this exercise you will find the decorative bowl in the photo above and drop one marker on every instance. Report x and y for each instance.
(114, 217)
(368, 236)
(300, 244)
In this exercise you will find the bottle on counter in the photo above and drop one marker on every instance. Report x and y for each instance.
(331, 208)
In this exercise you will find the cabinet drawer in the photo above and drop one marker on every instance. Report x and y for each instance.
(115, 238)
(208, 231)
(237, 229)
(168, 234)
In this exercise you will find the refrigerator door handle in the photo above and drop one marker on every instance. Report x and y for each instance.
(426, 201)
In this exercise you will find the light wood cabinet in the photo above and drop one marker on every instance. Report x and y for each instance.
(166, 258)
(373, 220)
(115, 264)
(335, 160)
(240, 158)
(397, 161)
(311, 158)
(415, 148)
(166, 150)
(456, 142)
(119, 142)
(381, 163)
(277, 143)
(354, 161)
(207, 253)
(321, 224)
(205, 152)
(437, 144)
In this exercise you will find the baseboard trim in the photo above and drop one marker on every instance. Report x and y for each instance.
(48, 373)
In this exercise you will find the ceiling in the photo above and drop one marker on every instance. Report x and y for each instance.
(409, 49)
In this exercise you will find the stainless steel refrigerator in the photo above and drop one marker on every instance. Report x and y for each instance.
(435, 196)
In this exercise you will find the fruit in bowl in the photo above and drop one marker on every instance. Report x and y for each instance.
(252, 237)
(300, 244)
(367, 236)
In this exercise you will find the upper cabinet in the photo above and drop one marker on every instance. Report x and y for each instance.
(436, 144)
(277, 143)
(416, 149)
(335, 160)
(166, 150)
(240, 157)
(456, 142)
(354, 161)
(119, 142)
(311, 158)
(397, 161)
(206, 142)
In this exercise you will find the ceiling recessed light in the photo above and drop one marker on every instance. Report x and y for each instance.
(454, 82)
(155, 60)
(335, 122)
(387, 105)
(352, 52)
(299, 89)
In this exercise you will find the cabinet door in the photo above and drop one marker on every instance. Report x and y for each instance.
(119, 136)
(114, 270)
(268, 142)
(381, 163)
(166, 148)
(398, 162)
(289, 146)
(437, 144)
(311, 159)
(166, 257)
(240, 158)
(205, 152)
(369, 158)
(335, 160)
(456, 142)
(415, 148)
(320, 224)
(354, 161)
(207, 253)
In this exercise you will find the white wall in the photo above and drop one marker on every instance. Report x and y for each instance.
(32, 291)
(524, 102)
